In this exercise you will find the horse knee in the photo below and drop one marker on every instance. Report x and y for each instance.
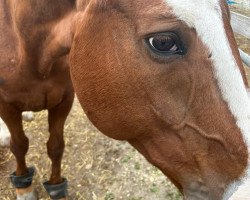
(19, 146)
(55, 149)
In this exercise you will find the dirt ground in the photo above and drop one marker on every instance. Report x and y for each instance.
(97, 167)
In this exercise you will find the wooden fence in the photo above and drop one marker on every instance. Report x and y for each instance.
(241, 25)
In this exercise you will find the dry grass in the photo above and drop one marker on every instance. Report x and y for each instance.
(97, 167)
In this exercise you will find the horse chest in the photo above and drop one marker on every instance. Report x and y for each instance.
(33, 97)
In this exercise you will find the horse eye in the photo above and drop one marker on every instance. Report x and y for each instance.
(165, 44)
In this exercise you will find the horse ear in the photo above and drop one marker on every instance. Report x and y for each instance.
(57, 44)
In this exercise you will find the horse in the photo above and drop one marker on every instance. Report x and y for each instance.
(166, 76)
(34, 75)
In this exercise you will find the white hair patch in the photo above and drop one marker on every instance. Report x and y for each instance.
(4, 134)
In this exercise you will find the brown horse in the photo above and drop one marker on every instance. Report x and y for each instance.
(166, 76)
(35, 76)
(162, 74)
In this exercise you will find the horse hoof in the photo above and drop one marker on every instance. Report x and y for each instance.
(58, 191)
(28, 116)
(23, 185)
(28, 196)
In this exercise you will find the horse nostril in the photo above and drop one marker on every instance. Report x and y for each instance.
(210, 55)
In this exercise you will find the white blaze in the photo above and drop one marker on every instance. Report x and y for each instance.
(205, 17)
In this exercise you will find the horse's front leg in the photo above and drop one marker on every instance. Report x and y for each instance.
(19, 144)
(4, 131)
(57, 186)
